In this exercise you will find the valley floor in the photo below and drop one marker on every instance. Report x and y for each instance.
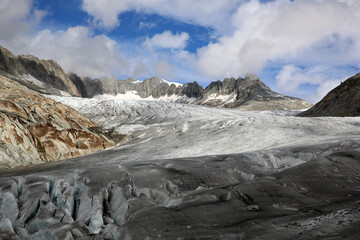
(193, 172)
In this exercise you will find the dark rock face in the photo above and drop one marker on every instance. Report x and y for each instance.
(247, 93)
(192, 90)
(245, 89)
(342, 101)
(80, 85)
(44, 76)
(157, 87)
(150, 87)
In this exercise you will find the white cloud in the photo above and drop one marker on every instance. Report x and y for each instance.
(282, 30)
(164, 70)
(75, 49)
(105, 12)
(138, 70)
(290, 78)
(148, 25)
(213, 13)
(17, 17)
(167, 40)
(251, 36)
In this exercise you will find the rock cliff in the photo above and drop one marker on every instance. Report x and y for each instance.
(44, 76)
(35, 129)
(247, 93)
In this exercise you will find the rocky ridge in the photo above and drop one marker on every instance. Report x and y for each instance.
(248, 93)
(342, 101)
(35, 129)
(46, 76)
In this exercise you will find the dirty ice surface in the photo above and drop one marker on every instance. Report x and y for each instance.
(161, 130)
(193, 172)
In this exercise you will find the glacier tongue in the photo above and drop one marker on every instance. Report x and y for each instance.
(170, 130)
(192, 172)
(190, 197)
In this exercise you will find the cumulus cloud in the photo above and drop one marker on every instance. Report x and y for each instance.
(290, 79)
(139, 69)
(17, 17)
(213, 13)
(75, 49)
(164, 70)
(305, 39)
(147, 25)
(167, 40)
(279, 30)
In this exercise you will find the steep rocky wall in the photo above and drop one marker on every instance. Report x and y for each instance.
(35, 129)
(47, 73)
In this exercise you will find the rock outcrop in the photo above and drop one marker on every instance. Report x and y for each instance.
(151, 87)
(248, 93)
(35, 129)
(45, 76)
(342, 101)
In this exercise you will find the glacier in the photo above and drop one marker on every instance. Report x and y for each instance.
(193, 172)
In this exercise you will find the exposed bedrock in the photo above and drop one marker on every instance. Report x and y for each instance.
(35, 129)
(342, 101)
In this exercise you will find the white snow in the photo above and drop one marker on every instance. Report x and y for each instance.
(105, 192)
(182, 130)
(129, 95)
(169, 83)
(224, 99)
(163, 80)
(31, 79)
(136, 81)
(133, 95)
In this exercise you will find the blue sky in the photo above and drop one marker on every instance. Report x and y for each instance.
(300, 48)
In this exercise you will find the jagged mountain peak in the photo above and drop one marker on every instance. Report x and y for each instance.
(251, 77)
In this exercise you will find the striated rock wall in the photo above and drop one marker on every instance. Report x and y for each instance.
(41, 75)
(35, 129)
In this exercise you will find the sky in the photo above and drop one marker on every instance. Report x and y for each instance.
(301, 48)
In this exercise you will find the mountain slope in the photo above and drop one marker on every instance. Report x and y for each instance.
(248, 93)
(342, 101)
(35, 129)
(44, 76)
